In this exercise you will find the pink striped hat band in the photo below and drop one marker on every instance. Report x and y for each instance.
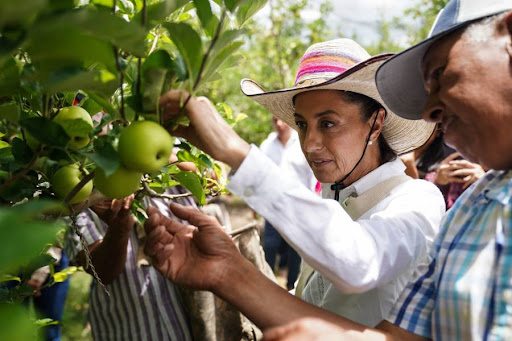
(327, 60)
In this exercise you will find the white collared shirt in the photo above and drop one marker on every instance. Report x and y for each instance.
(380, 250)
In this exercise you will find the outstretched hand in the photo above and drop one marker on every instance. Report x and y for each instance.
(198, 255)
(116, 214)
(458, 171)
(207, 130)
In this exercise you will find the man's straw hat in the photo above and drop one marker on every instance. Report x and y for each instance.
(341, 64)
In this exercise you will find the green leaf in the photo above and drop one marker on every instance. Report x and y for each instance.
(9, 78)
(102, 102)
(205, 161)
(105, 156)
(8, 278)
(154, 69)
(158, 12)
(226, 38)
(204, 12)
(218, 170)
(10, 112)
(47, 132)
(45, 322)
(10, 40)
(19, 12)
(126, 6)
(15, 323)
(129, 36)
(20, 223)
(61, 276)
(54, 47)
(40, 261)
(185, 156)
(77, 127)
(248, 9)
(59, 5)
(188, 42)
(240, 117)
(180, 68)
(5, 153)
(158, 59)
(192, 182)
(153, 83)
(21, 151)
(217, 61)
(19, 190)
(231, 4)
(74, 79)
(91, 106)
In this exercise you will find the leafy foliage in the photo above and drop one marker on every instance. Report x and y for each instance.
(114, 58)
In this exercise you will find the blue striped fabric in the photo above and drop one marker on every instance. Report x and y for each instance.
(465, 293)
(143, 304)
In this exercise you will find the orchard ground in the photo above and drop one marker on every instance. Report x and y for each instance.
(74, 324)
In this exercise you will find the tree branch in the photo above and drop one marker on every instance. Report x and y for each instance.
(78, 187)
(151, 193)
(24, 172)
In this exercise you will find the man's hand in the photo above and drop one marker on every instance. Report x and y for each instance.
(116, 214)
(198, 256)
(306, 329)
(207, 130)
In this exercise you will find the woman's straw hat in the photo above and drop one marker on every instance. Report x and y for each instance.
(341, 64)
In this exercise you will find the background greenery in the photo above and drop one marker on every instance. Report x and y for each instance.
(271, 54)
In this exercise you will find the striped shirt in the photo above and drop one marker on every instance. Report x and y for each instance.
(465, 293)
(143, 304)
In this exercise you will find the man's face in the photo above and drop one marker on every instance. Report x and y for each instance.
(469, 86)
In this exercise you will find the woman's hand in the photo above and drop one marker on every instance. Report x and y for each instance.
(198, 256)
(409, 161)
(458, 171)
(207, 130)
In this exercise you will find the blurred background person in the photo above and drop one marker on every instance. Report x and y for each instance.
(443, 166)
(283, 147)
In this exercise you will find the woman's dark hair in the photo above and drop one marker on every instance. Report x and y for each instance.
(368, 106)
(436, 152)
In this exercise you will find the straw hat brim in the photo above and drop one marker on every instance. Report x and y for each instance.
(401, 134)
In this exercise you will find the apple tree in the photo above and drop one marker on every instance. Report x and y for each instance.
(80, 82)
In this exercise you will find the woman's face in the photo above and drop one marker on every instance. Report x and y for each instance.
(333, 135)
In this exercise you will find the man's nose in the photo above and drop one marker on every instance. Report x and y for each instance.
(433, 110)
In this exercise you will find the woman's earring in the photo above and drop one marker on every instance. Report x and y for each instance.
(370, 142)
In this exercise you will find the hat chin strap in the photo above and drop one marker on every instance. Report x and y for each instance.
(338, 185)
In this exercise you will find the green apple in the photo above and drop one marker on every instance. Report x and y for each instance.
(65, 179)
(73, 113)
(145, 146)
(120, 184)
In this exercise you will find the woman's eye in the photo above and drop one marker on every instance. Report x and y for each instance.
(300, 124)
(326, 124)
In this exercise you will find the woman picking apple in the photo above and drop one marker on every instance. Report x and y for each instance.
(363, 245)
